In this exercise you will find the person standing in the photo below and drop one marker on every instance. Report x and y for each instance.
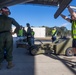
(19, 32)
(54, 34)
(72, 20)
(32, 37)
(24, 32)
(6, 38)
(28, 34)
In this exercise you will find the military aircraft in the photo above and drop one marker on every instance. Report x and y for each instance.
(61, 4)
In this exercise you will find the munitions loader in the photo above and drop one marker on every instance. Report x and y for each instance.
(59, 47)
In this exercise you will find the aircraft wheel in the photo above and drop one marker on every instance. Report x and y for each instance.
(69, 52)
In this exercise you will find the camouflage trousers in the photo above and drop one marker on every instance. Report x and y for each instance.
(6, 43)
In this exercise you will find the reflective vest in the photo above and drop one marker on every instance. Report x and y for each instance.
(20, 32)
(32, 33)
(74, 29)
(54, 32)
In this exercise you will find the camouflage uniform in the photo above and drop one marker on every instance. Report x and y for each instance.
(6, 36)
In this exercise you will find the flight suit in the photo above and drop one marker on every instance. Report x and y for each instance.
(6, 36)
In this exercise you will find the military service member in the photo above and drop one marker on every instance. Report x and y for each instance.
(6, 36)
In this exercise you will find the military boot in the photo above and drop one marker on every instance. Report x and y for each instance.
(0, 66)
(10, 65)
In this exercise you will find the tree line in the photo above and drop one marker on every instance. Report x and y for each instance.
(61, 31)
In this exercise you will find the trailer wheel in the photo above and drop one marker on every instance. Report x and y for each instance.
(33, 50)
(69, 52)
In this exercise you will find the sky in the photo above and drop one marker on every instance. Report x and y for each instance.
(38, 15)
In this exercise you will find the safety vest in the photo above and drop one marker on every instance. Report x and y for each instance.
(54, 32)
(20, 32)
(74, 29)
(32, 33)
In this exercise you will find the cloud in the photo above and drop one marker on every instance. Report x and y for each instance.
(64, 24)
(67, 25)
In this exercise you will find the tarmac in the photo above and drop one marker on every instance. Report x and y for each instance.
(43, 64)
